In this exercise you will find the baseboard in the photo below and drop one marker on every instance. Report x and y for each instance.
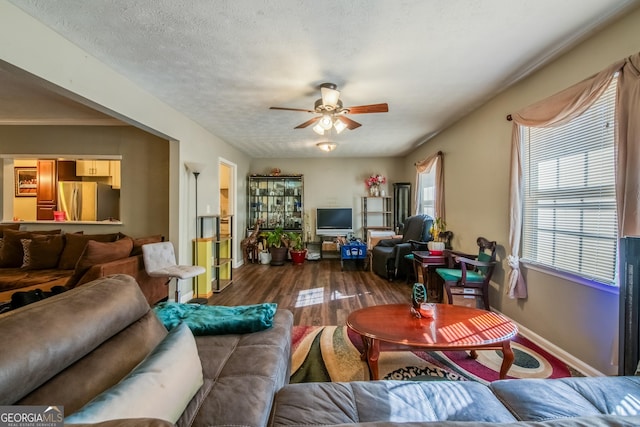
(561, 354)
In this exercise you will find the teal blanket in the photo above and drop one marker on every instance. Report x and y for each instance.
(215, 319)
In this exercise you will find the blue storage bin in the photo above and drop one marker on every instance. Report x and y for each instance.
(353, 251)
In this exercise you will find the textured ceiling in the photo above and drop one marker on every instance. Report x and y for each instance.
(225, 62)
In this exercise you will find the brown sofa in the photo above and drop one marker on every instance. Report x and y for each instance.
(56, 259)
(84, 341)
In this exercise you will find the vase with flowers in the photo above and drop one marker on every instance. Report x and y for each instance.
(373, 183)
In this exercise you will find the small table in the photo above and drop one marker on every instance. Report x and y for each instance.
(392, 327)
(426, 261)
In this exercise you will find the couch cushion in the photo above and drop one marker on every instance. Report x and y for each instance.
(138, 242)
(161, 386)
(12, 255)
(91, 314)
(539, 400)
(96, 253)
(75, 244)
(44, 251)
(8, 227)
(386, 401)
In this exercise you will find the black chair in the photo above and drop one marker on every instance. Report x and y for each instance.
(388, 256)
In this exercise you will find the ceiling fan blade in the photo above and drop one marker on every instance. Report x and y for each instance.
(351, 124)
(330, 97)
(373, 108)
(308, 122)
(291, 109)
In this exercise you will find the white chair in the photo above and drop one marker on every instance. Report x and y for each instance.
(160, 261)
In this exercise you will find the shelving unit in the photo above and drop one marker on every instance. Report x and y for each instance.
(377, 214)
(213, 251)
(277, 201)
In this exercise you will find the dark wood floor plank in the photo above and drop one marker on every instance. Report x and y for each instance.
(317, 292)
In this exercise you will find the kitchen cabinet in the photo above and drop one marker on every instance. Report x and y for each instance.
(93, 167)
(46, 191)
(277, 201)
(114, 173)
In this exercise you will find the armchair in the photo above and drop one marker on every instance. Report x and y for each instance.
(471, 272)
(388, 255)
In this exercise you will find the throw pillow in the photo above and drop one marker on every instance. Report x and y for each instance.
(161, 386)
(26, 254)
(12, 254)
(75, 244)
(44, 252)
(8, 227)
(99, 253)
(137, 243)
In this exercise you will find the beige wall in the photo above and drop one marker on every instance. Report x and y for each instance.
(334, 182)
(144, 169)
(579, 319)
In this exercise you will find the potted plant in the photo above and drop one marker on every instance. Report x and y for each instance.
(278, 243)
(296, 248)
(437, 245)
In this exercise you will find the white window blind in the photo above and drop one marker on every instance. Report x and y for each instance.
(569, 216)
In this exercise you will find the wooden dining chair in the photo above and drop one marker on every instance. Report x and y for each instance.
(467, 271)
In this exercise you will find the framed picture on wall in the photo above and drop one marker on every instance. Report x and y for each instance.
(25, 179)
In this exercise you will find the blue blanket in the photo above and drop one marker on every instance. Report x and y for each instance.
(215, 319)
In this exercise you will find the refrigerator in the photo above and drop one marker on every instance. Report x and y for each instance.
(629, 333)
(88, 201)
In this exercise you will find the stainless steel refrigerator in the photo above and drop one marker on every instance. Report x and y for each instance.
(88, 201)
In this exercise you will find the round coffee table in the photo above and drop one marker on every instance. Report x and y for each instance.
(393, 327)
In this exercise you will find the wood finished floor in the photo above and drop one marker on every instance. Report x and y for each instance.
(317, 292)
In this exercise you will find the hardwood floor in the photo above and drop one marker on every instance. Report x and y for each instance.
(317, 292)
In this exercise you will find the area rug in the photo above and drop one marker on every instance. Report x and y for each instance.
(332, 353)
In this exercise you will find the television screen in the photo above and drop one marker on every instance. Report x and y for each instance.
(334, 221)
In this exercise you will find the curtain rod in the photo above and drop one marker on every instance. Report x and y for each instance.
(509, 118)
(439, 153)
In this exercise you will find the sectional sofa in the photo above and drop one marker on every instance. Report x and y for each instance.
(42, 260)
(84, 349)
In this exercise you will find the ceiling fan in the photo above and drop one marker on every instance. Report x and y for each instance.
(332, 113)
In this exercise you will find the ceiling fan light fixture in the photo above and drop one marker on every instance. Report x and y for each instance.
(326, 122)
(330, 95)
(318, 129)
(327, 146)
(339, 125)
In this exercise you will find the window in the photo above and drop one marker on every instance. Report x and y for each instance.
(569, 215)
(427, 192)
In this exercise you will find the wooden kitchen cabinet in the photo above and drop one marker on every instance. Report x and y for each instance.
(93, 167)
(46, 187)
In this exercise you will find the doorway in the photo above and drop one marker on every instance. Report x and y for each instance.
(227, 183)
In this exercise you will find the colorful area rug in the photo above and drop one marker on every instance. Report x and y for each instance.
(332, 353)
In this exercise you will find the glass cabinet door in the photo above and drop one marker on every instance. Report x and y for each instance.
(401, 204)
(277, 201)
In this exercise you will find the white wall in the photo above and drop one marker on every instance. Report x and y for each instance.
(579, 319)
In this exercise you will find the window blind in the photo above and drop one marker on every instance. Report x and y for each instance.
(569, 215)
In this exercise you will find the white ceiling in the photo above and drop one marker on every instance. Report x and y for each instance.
(223, 63)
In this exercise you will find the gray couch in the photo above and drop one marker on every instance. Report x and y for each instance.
(67, 349)
(602, 401)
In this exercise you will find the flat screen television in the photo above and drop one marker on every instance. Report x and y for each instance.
(334, 221)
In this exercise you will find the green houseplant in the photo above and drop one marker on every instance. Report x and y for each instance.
(278, 243)
(296, 248)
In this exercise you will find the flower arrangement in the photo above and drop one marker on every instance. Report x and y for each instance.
(375, 180)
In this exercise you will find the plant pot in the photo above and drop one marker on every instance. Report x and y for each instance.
(435, 248)
(298, 256)
(265, 257)
(278, 255)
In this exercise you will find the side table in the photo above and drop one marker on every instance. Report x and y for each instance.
(427, 262)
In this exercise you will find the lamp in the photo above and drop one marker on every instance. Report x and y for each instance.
(339, 125)
(327, 146)
(326, 122)
(196, 168)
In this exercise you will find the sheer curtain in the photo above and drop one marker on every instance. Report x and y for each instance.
(426, 165)
(562, 108)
